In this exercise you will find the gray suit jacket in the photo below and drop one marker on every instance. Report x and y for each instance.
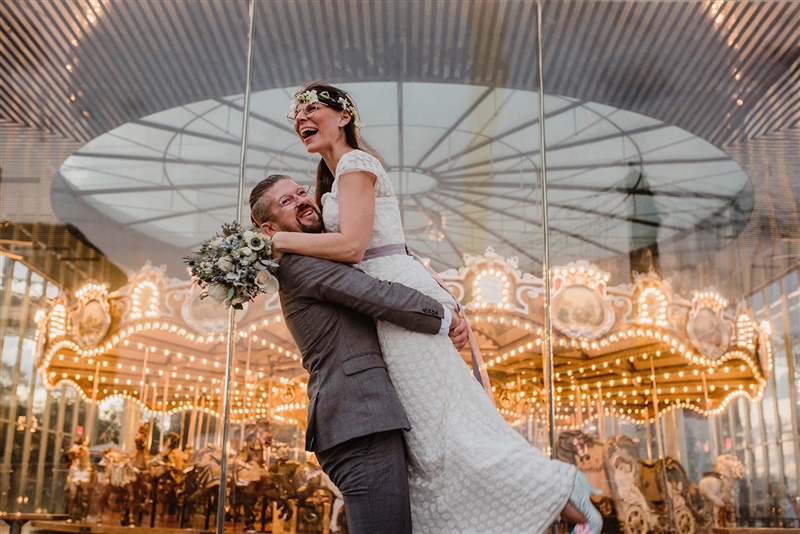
(330, 310)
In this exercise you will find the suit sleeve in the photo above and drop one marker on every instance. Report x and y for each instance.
(347, 286)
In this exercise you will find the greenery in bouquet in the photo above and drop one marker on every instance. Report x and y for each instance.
(234, 266)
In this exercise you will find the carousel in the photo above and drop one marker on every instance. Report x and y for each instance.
(629, 352)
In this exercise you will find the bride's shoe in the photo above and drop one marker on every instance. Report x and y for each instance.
(580, 499)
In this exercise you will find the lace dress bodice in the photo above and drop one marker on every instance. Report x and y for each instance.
(387, 228)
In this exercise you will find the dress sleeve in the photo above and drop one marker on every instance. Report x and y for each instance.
(359, 161)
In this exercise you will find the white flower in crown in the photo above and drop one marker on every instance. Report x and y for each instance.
(324, 97)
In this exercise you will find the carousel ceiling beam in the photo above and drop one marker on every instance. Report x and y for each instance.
(532, 222)
(477, 102)
(446, 235)
(458, 171)
(595, 189)
(488, 230)
(584, 210)
(494, 138)
(158, 159)
(155, 189)
(281, 125)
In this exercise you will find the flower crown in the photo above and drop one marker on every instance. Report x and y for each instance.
(325, 97)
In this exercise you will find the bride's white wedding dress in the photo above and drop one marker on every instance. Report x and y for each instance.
(469, 471)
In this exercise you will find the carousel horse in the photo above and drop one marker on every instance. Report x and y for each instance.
(586, 453)
(307, 487)
(718, 489)
(649, 496)
(81, 480)
(313, 489)
(125, 477)
(249, 475)
(338, 503)
(202, 482)
(167, 475)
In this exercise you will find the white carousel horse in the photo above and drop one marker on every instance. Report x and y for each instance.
(81, 480)
(718, 489)
(338, 502)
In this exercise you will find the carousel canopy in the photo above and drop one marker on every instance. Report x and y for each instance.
(632, 349)
(626, 349)
(155, 342)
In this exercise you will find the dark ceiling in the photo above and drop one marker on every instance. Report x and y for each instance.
(727, 72)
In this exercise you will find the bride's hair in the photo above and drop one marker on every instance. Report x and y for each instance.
(325, 176)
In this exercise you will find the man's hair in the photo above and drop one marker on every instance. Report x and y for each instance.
(259, 206)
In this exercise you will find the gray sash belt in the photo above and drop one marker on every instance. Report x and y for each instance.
(386, 250)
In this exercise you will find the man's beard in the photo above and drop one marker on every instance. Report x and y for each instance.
(316, 227)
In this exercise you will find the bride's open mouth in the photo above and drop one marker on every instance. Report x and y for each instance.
(306, 133)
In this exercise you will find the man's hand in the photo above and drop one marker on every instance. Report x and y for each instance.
(458, 332)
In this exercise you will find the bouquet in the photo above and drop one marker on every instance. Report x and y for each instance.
(234, 266)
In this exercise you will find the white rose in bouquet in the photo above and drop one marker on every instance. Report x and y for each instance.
(226, 264)
(266, 282)
(217, 292)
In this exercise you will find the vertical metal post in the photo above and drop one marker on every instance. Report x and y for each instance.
(659, 443)
(89, 427)
(143, 392)
(232, 321)
(601, 416)
(190, 439)
(647, 432)
(547, 354)
(246, 393)
(164, 407)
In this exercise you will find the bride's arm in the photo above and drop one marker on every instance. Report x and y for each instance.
(356, 217)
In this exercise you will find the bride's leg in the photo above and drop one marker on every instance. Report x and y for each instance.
(580, 503)
(570, 514)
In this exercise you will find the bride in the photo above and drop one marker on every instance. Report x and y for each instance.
(469, 471)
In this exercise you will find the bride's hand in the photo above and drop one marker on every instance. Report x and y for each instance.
(458, 334)
(276, 243)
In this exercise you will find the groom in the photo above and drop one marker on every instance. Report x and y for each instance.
(355, 419)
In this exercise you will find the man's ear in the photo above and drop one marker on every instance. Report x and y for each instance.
(269, 228)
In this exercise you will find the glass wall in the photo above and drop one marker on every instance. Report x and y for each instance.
(670, 244)
(767, 432)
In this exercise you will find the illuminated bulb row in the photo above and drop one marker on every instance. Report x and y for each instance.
(745, 332)
(581, 268)
(58, 321)
(659, 316)
(91, 290)
(149, 309)
(121, 337)
(711, 296)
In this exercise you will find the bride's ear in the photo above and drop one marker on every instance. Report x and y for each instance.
(346, 116)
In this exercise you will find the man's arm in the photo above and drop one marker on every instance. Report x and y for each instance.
(347, 286)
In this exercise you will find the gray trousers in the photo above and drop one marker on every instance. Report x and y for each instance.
(370, 471)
